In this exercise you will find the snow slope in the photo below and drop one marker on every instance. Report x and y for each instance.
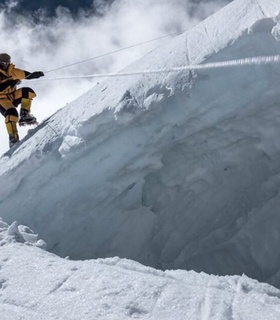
(172, 170)
(35, 284)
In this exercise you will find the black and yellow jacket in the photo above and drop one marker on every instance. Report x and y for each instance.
(10, 77)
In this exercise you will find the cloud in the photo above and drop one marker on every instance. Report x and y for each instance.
(44, 43)
(10, 4)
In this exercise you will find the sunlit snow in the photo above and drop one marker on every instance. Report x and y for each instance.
(174, 171)
(37, 285)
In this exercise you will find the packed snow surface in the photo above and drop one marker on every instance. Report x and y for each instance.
(35, 284)
(175, 171)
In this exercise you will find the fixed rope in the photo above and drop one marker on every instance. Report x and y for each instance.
(223, 64)
(112, 52)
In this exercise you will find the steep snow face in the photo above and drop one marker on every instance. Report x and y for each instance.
(172, 170)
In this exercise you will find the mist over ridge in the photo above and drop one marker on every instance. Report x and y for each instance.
(37, 40)
(44, 8)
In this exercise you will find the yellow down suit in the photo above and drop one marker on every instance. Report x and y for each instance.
(11, 97)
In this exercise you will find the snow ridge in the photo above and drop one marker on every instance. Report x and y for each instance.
(174, 171)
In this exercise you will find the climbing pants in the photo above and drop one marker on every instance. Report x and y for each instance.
(8, 104)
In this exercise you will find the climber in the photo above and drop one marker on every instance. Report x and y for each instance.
(11, 97)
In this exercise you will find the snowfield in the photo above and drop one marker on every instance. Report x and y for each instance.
(35, 284)
(173, 170)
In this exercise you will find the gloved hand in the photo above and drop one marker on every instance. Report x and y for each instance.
(35, 75)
